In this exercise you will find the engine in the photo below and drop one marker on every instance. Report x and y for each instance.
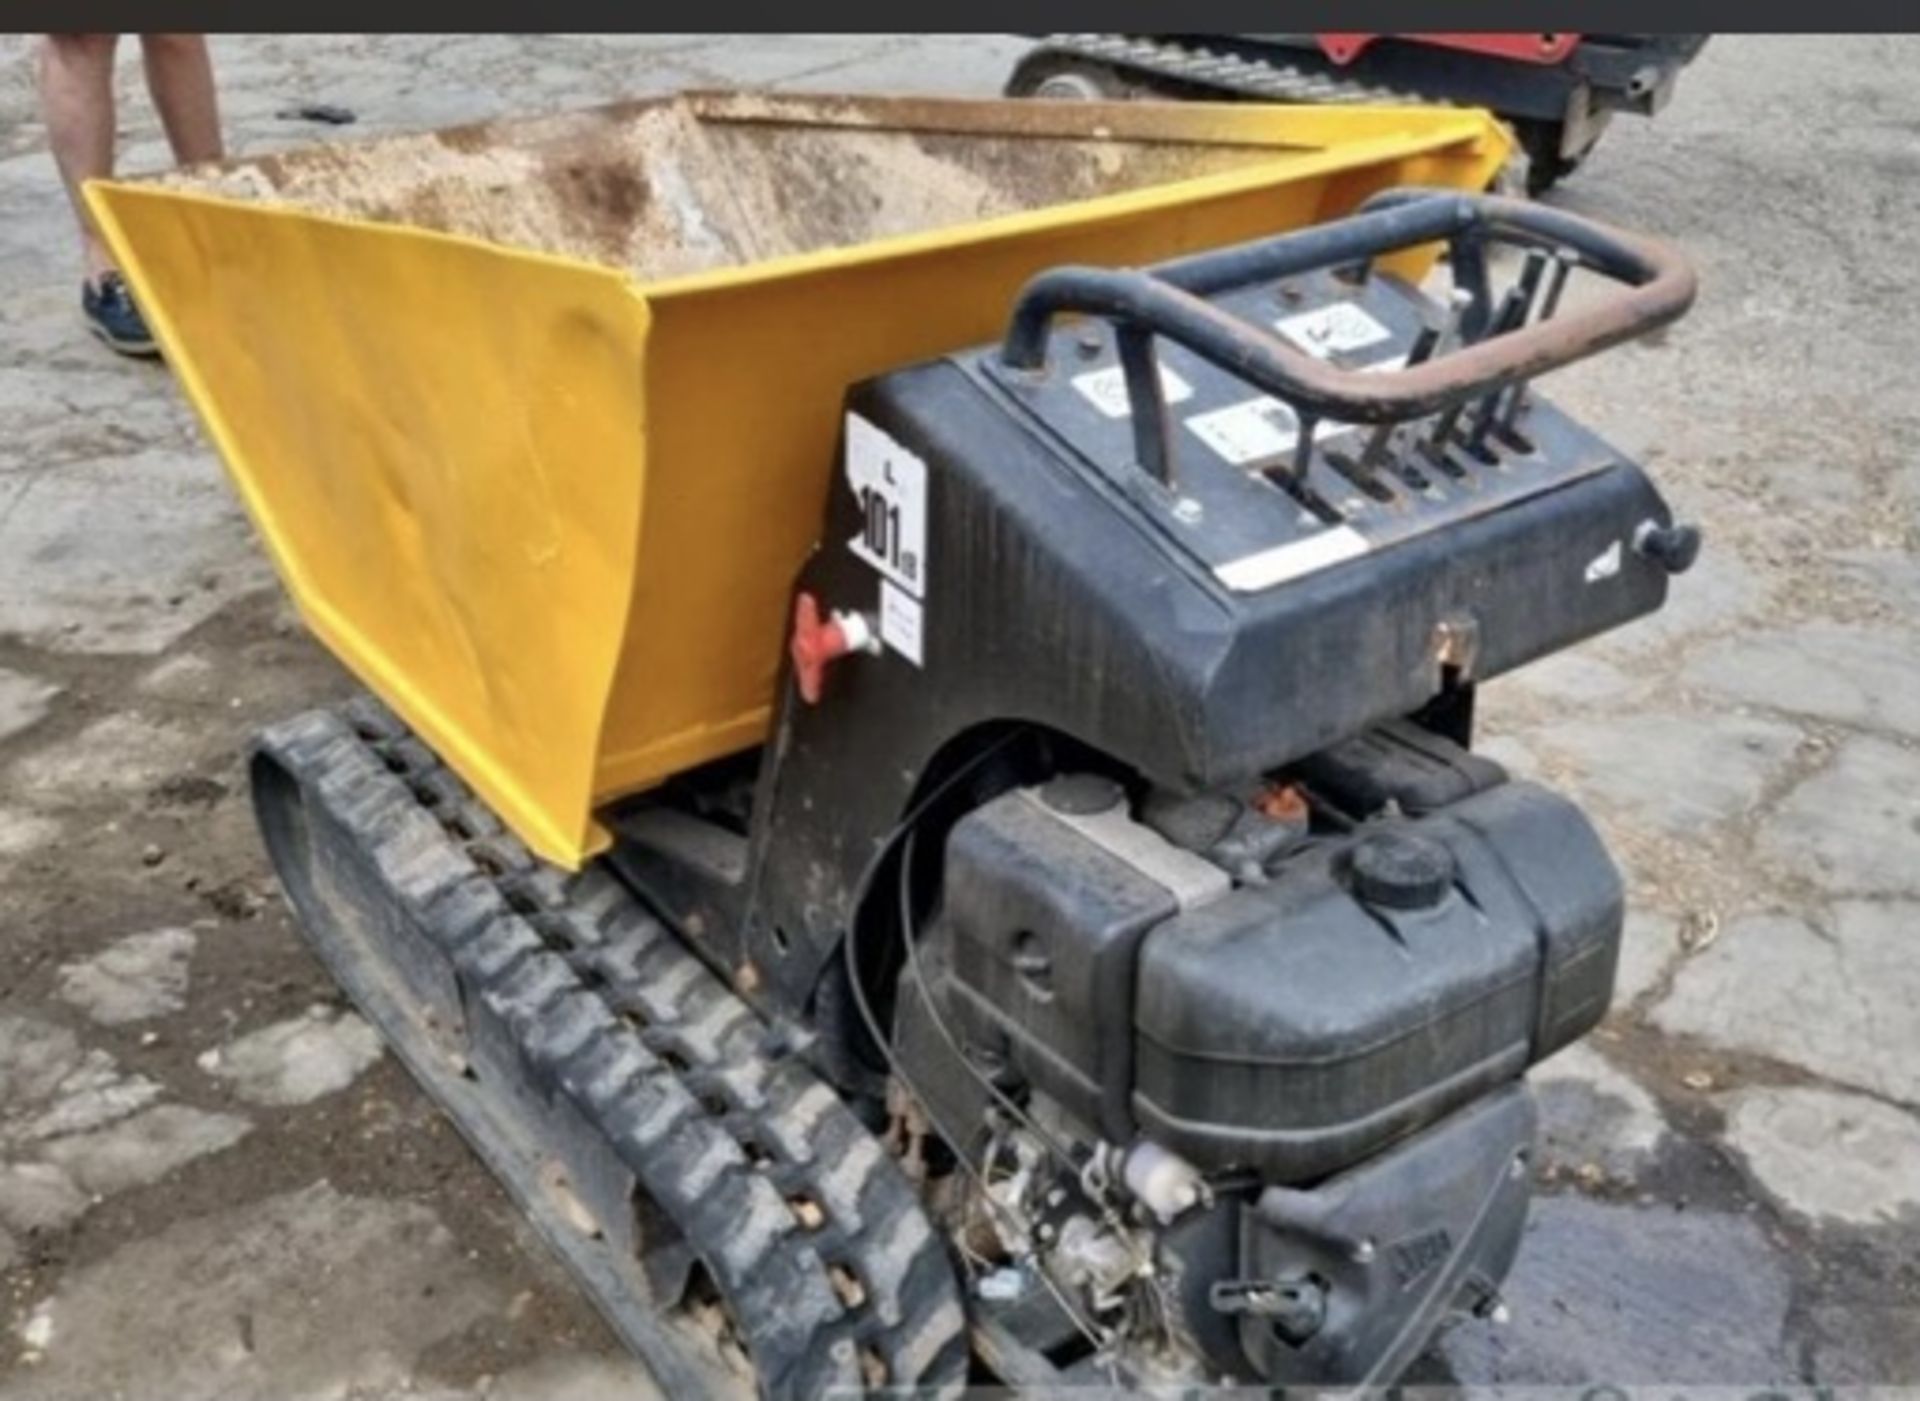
(1247, 1065)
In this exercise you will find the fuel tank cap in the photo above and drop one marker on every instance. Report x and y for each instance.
(1400, 870)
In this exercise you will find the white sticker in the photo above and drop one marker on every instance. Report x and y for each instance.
(900, 622)
(1333, 329)
(890, 485)
(1265, 568)
(1604, 565)
(1106, 389)
(1255, 429)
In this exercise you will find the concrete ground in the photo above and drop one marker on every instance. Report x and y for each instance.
(213, 1183)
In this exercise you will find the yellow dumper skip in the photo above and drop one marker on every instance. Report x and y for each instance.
(537, 417)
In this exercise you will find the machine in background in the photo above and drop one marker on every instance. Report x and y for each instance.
(1558, 90)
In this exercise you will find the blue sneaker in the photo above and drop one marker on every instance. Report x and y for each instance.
(112, 315)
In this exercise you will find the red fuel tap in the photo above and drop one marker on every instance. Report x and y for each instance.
(818, 640)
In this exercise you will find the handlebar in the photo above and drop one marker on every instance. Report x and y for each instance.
(1497, 349)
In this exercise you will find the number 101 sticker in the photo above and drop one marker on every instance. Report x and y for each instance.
(890, 485)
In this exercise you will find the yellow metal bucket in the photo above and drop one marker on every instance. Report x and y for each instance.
(537, 416)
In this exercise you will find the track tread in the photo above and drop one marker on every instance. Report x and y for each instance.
(1273, 80)
(603, 1007)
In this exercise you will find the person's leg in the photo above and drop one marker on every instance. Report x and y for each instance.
(76, 98)
(180, 77)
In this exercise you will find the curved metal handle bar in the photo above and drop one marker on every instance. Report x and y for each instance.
(1168, 301)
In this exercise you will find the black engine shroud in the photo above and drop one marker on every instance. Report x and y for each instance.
(1263, 601)
(1292, 1027)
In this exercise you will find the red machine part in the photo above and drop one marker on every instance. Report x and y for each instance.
(1524, 48)
(816, 641)
(819, 639)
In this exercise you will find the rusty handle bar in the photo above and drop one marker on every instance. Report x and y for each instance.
(1167, 300)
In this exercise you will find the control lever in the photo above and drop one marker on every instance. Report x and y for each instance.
(1514, 311)
(1454, 332)
(1381, 438)
(1563, 262)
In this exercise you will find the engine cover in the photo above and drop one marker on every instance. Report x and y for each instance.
(1378, 980)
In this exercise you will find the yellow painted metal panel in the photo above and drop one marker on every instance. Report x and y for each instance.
(550, 511)
(456, 515)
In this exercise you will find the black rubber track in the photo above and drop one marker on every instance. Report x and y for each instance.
(1144, 66)
(1142, 59)
(647, 1120)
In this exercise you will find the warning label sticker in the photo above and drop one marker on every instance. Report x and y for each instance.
(890, 486)
(1255, 430)
(1106, 389)
(1334, 329)
(900, 621)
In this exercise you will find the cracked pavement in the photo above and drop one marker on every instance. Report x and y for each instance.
(211, 1183)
